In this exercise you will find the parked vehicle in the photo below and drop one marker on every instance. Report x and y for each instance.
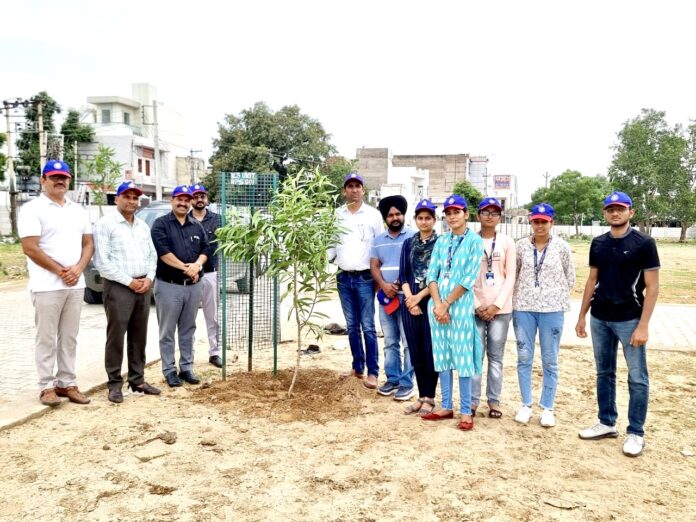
(237, 273)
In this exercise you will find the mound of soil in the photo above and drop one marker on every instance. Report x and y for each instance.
(319, 395)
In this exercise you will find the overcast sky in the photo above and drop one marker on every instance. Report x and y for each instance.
(536, 86)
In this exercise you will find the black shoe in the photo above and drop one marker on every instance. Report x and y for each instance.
(216, 361)
(173, 380)
(189, 377)
(115, 395)
(145, 388)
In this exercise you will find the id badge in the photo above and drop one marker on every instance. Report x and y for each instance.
(445, 280)
(490, 278)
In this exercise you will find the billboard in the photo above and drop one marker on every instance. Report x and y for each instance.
(501, 182)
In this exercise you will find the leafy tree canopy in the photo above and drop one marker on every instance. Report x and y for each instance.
(258, 140)
(103, 172)
(471, 194)
(335, 168)
(74, 131)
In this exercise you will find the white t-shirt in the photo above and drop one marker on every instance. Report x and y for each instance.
(60, 230)
(361, 227)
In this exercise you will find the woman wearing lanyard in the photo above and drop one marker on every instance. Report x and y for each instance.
(452, 272)
(545, 276)
(415, 258)
(493, 303)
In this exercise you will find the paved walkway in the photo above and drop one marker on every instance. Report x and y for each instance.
(672, 328)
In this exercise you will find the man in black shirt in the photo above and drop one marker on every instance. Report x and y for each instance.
(621, 292)
(182, 249)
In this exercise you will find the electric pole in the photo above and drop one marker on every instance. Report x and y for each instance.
(42, 135)
(546, 179)
(193, 167)
(10, 170)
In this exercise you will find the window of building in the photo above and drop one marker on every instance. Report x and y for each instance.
(140, 165)
(106, 115)
(126, 118)
(147, 167)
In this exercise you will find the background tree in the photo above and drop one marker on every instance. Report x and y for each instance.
(294, 238)
(647, 159)
(335, 168)
(28, 142)
(471, 194)
(260, 140)
(74, 131)
(103, 172)
(683, 195)
(574, 197)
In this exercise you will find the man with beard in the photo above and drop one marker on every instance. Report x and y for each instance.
(361, 224)
(384, 264)
(183, 248)
(621, 292)
(211, 222)
(126, 260)
(56, 237)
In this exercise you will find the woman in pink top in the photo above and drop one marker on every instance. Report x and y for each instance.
(493, 303)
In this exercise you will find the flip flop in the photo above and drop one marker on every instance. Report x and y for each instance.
(495, 414)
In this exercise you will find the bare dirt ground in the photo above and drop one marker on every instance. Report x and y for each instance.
(240, 450)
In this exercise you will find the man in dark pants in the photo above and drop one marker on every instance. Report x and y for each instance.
(621, 290)
(182, 249)
(126, 259)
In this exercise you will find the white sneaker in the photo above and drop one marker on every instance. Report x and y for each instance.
(633, 445)
(599, 431)
(523, 415)
(547, 419)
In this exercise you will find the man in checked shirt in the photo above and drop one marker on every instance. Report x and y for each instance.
(126, 258)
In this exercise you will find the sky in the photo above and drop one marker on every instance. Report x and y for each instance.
(537, 86)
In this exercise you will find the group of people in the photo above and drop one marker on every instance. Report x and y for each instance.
(448, 301)
(174, 261)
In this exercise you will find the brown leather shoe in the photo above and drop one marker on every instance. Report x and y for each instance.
(73, 394)
(48, 397)
(371, 382)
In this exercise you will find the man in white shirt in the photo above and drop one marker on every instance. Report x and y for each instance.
(356, 287)
(56, 237)
(126, 258)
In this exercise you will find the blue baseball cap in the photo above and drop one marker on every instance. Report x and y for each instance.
(618, 198)
(56, 168)
(390, 304)
(182, 190)
(126, 186)
(455, 201)
(542, 211)
(426, 204)
(490, 202)
(198, 189)
(353, 176)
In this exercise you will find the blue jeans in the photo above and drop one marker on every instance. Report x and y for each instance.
(605, 341)
(357, 295)
(493, 335)
(464, 392)
(393, 330)
(550, 327)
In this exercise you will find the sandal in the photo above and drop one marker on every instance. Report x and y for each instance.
(414, 408)
(425, 411)
(494, 413)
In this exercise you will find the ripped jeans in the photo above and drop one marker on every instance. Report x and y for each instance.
(550, 327)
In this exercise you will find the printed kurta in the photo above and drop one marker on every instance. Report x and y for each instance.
(457, 344)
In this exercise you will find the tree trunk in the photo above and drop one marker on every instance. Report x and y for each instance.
(682, 234)
(295, 298)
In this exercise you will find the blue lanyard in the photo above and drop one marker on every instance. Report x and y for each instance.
(537, 267)
(451, 251)
(489, 259)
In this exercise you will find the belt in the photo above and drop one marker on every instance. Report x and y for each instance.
(185, 282)
(356, 272)
(210, 271)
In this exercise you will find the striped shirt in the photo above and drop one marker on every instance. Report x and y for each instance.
(387, 249)
(123, 251)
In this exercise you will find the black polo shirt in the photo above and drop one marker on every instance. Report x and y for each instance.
(620, 263)
(186, 242)
(211, 222)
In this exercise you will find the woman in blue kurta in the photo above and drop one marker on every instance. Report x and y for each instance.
(452, 272)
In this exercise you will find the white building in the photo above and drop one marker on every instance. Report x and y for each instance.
(409, 182)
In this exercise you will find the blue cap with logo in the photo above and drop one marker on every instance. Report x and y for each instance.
(182, 190)
(353, 176)
(56, 168)
(426, 204)
(198, 189)
(126, 186)
(490, 202)
(618, 198)
(390, 304)
(455, 201)
(542, 211)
